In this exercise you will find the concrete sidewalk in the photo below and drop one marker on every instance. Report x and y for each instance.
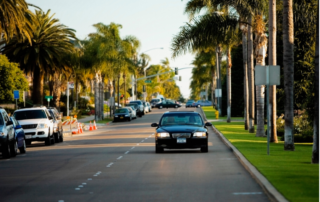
(91, 118)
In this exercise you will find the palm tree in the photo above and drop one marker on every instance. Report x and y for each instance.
(288, 67)
(16, 20)
(50, 42)
(272, 61)
(315, 148)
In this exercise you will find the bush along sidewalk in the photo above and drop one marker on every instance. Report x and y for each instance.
(290, 172)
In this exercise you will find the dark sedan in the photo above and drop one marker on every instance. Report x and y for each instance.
(122, 114)
(180, 130)
(168, 104)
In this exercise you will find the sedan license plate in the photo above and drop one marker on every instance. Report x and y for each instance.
(28, 136)
(181, 140)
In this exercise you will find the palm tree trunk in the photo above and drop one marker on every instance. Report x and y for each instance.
(97, 98)
(125, 90)
(288, 66)
(251, 78)
(37, 92)
(245, 78)
(213, 87)
(272, 61)
(102, 97)
(229, 65)
(315, 148)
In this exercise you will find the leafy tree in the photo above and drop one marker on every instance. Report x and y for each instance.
(12, 78)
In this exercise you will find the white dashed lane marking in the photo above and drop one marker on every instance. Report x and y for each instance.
(109, 165)
(77, 189)
(80, 186)
(120, 157)
(84, 183)
(61, 201)
(89, 178)
(132, 147)
(127, 152)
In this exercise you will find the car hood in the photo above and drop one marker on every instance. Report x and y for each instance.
(32, 121)
(181, 129)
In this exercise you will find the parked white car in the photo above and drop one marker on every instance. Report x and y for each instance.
(37, 124)
(133, 112)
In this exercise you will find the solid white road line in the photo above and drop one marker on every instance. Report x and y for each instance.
(246, 193)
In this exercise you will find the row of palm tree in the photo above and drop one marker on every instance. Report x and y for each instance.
(226, 23)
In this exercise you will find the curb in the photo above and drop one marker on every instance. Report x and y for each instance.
(270, 190)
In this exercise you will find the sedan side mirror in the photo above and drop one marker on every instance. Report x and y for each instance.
(18, 127)
(208, 124)
(154, 125)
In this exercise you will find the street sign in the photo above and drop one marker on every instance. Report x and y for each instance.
(16, 94)
(71, 85)
(48, 97)
(147, 81)
(218, 93)
(261, 75)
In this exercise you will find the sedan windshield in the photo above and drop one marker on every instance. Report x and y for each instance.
(122, 111)
(181, 119)
(31, 114)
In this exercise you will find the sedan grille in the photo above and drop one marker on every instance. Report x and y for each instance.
(183, 135)
(29, 126)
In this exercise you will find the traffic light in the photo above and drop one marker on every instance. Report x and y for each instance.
(180, 78)
(176, 71)
(144, 88)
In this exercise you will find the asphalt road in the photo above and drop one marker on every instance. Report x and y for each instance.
(118, 163)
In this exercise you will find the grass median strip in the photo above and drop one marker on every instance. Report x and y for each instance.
(290, 172)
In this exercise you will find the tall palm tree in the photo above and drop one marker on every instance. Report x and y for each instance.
(50, 42)
(16, 20)
(315, 148)
(272, 57)
(288, 67)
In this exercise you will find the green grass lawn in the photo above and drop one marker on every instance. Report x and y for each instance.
(211, 114)
(290, 172)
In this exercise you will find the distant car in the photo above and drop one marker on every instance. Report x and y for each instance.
(122, 114)
(167, 104)
(137, 107)
(19, 135)
(146, 108)
(155, 101)
(57, 125)
(132, 111)
(189, 103)
(180, 130)
(8, 144)
(37, 124)
(149, 107)
(202, 103)
(141, 107)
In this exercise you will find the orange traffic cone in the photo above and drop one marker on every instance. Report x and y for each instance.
(81, 131)
(94, 125)
(91, 128)
(79, 128)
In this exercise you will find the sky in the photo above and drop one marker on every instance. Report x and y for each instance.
(153, 22)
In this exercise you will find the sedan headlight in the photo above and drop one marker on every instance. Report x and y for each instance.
(42, 125)
(199, 134)
(163, 135)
